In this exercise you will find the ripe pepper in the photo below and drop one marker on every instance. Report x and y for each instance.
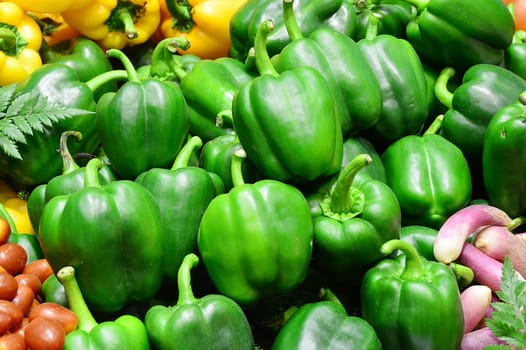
(205, 23)
(290, 133)
(412, 303)
(121, 221)
(341, 62)
(143, 125)
(125, 332)
(264, 244)
(70, 180)
(115, 23)
(325, 325)
(352, 218)
(485, 88)
(182, 193)
(504, 159)
(312, 14)
(213, 321)
(429, 175)
(51, 6)
(443, 37)
(400, 73)
(21, 38)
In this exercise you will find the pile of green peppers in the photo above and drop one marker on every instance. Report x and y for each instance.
(301, 181)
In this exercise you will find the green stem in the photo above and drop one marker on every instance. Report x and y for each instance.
(419, 4)
(68, 163)
(126, 62)
(442, 93)
(263, 63)
(103, 78)
(236, 167)
(5, 214)
(181, 12)
(516, 222)
(184, 155)
(463, 274)
(413, 262)
(291, 23)
(328, 295)
(186, 295)
(124, 15)
(91, 173)
(76, 302)
(222, 115)
(435, 125)
(341, 199)
(163, 65)
(371, 30)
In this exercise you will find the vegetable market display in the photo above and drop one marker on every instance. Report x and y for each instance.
(262, 174)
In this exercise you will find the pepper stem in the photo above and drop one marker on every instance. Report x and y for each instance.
(419, 4)
(435, 125)
(522, 98)
(91, 172)
(291, 23)
(68, 163)
(181, 12)
(441, 91)
(184, 155)
(163, 65)
(103, 78)
(5, 214)
(263, 63)
(341, 197)
(413, 262)
(516, 222)
(126, 19)
(76, 302)
(186, 295)
(236, 167)
(126, 62)
(371, 30)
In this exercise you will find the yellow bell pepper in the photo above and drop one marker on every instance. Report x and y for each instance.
(16, 207)
(51, 6)
(116, 23)
(205, 23)
(54, 28)
(20, 40)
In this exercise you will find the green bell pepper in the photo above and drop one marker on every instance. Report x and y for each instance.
(504, 158)
(325, 325)
(290, 133)
(352, 218)
(58, 83)
(343, 65)
(126, 332)
(28, 241)
(75, 53)
(256, 240)
(70, 180)
(312, 15)
(429, 175)
(515, 54)
(211, 322)
(182, 193)
(412, 303)
(484, 89)
(400, 73)
(420, 237)
(224, 76)
(143, 125)
(111, 234)
(53, 291)
(442, 35)
(358, 144)
(393, 15)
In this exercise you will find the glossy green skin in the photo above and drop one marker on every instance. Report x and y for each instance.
(112, 236)
(395, 306)
(142, 126)
(126, 332)
(394, 15)
(484, 90)
(75, 54)
(345, 249)
(53, 291)
(445, 38)
(325, 325)
(225, 75)
(182, 195)
(515, 58)
(341, 62)
(355, 145)
(256, 240)
(41, 162)
(312, 15)
(216, 157)
(30, 244)
(503, 160)
(289, 136)
(402, 79)
(430, 177)
(420, 237)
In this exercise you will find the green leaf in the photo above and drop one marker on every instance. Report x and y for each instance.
(24, 114)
